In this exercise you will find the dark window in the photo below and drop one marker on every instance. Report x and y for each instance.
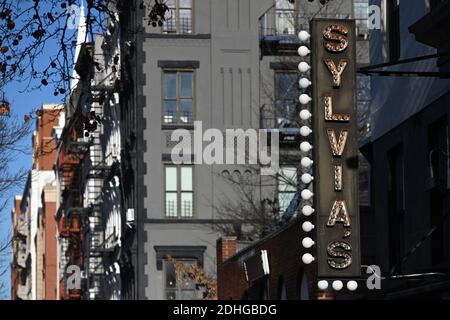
(259, 289)
(396, 205)
(393, 28)
(438, 151)
(286, 97)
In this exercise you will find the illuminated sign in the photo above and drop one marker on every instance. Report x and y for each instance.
(335, 148)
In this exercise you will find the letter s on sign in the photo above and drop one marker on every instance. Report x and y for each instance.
(335, 36)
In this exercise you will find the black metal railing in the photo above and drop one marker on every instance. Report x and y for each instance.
(178, 25)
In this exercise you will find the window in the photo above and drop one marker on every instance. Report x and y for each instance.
(286, 97)
(179, 193)
(361, 10)
(287, 187)
(393, 28)
(285, 16)
(438, 154)
(439, 161)
(179, 18)
(178, 87)
(177, 287)
(396, 205)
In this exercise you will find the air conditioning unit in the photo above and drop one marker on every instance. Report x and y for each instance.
(130, 215)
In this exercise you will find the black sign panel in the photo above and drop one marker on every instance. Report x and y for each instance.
(333, 47)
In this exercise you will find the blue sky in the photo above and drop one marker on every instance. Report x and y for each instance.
(22, 102)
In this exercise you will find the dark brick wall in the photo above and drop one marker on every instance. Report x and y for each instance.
(284, 252)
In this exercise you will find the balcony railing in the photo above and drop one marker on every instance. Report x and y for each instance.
(178, 25)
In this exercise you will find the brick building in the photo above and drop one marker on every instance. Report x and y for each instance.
(239, 276)
(34, 228)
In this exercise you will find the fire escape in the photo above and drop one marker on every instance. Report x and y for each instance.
(71, 215)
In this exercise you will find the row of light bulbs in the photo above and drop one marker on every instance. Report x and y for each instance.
(305, 131)
(306, 163)
(338, 285)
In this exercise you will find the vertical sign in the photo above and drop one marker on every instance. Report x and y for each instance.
(335, 139)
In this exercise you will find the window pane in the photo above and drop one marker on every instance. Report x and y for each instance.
(288, 179)
(285, 22)
(187, 284)
(186, 111)
(185, 21)
(187, 204)
(170, 111)
(170, 3)
(171, 204)
(170, 85)
(186, 84)
(171, 277)
(171, 179)
(185, 4)
(188, 295)
(186, 178)
(284, 199)
(286, 86)
(286, 113)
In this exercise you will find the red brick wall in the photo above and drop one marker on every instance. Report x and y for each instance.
(284, 251)
(44, 145)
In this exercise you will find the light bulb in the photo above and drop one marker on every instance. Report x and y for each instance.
(303, 67)
(305, 115)
(307, 194)
(352, 285)
(305, 146)
(305, 131)
(304, 99)
(307, 226)
(338, 285)
(307, 258)
(307, 243)
(304, 35)
(304, 83)
(306, 162)
(303, 51)
(307, 178)
(322, 284)
(307, 211)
